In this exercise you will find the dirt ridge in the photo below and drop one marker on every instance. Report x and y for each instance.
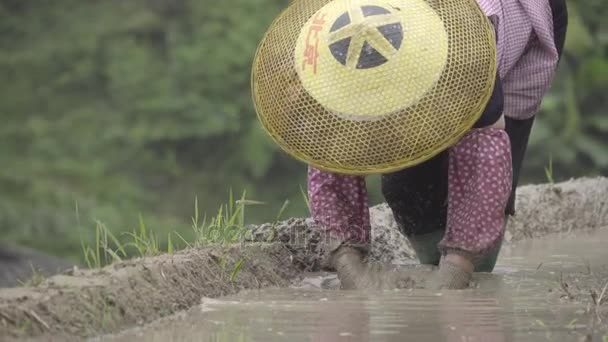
(87, 303)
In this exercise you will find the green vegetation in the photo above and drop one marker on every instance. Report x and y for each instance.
(35, 279)
(572, 125)
(143, 106)
(549, 171)
(236, 269)
(228, 226)
(144, 242)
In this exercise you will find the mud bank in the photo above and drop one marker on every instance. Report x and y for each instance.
(88, 303)
(85, 303)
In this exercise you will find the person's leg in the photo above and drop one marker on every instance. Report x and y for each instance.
(417, 197)
(519, 133)
(339, 206)
(480, 176)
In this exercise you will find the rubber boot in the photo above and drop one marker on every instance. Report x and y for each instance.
(425, 246)
(488, 262)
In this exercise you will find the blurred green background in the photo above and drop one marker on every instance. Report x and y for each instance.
(112, 108)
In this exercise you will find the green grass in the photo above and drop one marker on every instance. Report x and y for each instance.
(227, 226)
(25, 326)
(222, 263)
(236, 269)
(106, 249)
(273, 230)
(306, 198)
(35, 279)
(144, 241)
(549, 171)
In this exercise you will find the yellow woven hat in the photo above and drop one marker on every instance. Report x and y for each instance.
(373, 86)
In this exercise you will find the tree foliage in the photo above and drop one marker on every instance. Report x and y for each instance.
(572, 126)
(112, 108)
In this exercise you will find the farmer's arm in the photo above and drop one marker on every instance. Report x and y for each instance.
(479, 185)
(526, 83)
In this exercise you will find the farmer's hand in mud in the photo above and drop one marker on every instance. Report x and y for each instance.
(454, 273)
(354, 273)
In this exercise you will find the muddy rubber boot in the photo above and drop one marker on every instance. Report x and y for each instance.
(425, 246)
(488, 262)
(451, 277)
(427, 252)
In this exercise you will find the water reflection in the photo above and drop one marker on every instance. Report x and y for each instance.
(511, 305)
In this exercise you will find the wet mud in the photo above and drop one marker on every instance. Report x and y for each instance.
(86, 303)
(542, 290)
(81, 304)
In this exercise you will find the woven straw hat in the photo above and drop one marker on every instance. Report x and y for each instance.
(373, 86)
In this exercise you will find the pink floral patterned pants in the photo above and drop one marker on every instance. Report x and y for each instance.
(479, 185)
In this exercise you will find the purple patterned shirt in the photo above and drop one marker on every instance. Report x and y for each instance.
(527, 56)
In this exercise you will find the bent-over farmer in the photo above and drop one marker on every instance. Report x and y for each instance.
(437, 96)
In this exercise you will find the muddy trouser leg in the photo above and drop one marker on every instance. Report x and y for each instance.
(418, 198)
(519, 133)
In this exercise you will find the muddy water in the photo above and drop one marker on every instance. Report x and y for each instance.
(520, 302)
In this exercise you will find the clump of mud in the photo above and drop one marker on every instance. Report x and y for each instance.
(575, 205)
(86, 303)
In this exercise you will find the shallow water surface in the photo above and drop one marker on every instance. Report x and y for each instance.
(514, 304)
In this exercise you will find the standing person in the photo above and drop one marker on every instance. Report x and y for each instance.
(453, 208)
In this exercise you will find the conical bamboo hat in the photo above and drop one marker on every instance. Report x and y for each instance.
(373, 86)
